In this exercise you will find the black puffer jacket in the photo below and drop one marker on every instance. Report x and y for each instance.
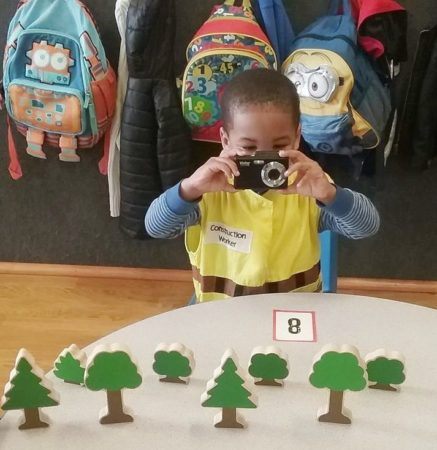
(155, 140)
(417, 139)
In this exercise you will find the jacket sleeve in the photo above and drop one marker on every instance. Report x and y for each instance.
(351, 214)
(173, 140)
(170, 215)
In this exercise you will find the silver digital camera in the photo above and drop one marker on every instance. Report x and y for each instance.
(261, 170)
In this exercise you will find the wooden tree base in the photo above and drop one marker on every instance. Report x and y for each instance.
(173, 380)
(114, 412)
(383, 387)
(228, 418)
(33, 419)
(116, 418)
(335, 412)
(265, 382)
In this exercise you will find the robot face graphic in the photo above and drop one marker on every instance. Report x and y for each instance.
(49, 63)
(318, 84)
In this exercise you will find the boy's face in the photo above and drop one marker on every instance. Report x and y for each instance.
(261, 128)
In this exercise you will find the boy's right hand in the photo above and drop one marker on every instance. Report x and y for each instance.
(211, 177)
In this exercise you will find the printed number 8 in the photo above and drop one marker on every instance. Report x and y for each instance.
(199, 107)
(294, 327)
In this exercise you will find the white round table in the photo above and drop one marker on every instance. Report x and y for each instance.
(169, 416)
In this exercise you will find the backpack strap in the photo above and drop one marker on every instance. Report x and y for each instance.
(103, 163)
(14, 163)
(334, 8)
(244, 4)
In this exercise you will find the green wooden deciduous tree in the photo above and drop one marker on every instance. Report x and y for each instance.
(111, 368)
(70, 365)
(338, 369)
(385, 369)
(227, 390)
(269, 366)
(173, 362)
(28, 389)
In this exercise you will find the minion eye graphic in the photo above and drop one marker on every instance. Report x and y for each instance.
(317, 84)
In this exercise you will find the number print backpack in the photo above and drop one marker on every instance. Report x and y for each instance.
(59, 88)
(344, 105)
(229, 42)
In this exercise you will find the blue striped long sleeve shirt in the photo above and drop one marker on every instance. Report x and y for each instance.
(350, 214)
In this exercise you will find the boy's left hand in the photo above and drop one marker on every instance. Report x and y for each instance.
(310, 179)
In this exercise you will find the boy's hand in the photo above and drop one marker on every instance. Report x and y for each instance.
(310, 179)
(237, 151)
(211, 177)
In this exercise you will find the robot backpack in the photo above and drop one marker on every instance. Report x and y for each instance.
(59, 88)
(229, 42)
(345, 106)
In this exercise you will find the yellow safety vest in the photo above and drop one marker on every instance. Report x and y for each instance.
(247, 243)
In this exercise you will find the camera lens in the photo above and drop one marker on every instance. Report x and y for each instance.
(272, 174)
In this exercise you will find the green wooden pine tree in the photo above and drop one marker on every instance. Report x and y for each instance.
(227, 390)
(28, 389)
(111, 368)
(70, 365)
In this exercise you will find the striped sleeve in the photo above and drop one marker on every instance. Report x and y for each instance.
(351, 214)
(169, 215)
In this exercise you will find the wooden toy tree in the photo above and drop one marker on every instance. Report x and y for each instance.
(384, 369)
(268, 364)
(29, 389)
(174, 362)
(228, 390)
(111, 368)
(338, 369)
(70, 365)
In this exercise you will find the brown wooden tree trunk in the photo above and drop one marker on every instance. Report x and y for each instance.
(115, 409)
(267, 382)
(383, 387)
(172, 380)
(229, 419)
(32, 419)
(335, 409)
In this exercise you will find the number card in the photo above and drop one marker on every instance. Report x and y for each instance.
(297, 326)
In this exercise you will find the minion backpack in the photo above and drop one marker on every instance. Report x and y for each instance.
(345, 106)
(59, 88)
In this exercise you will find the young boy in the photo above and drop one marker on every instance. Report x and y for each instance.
(245, 242)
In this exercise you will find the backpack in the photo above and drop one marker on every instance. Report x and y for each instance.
(344, 105)
(59, 87)
(229, 42)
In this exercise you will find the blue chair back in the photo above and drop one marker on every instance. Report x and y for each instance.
(329, 260)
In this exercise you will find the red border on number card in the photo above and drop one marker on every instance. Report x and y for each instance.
(313, 315)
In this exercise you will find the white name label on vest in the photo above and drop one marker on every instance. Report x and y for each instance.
(234, 238)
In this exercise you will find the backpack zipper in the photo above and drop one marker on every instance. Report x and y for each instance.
(324, 38)
(236, 34)
(42, 86)
(86, 82)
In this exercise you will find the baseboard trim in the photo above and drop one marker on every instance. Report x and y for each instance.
(61, 270)
(134, 273)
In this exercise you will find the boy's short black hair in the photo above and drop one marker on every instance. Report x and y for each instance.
(259, 87)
